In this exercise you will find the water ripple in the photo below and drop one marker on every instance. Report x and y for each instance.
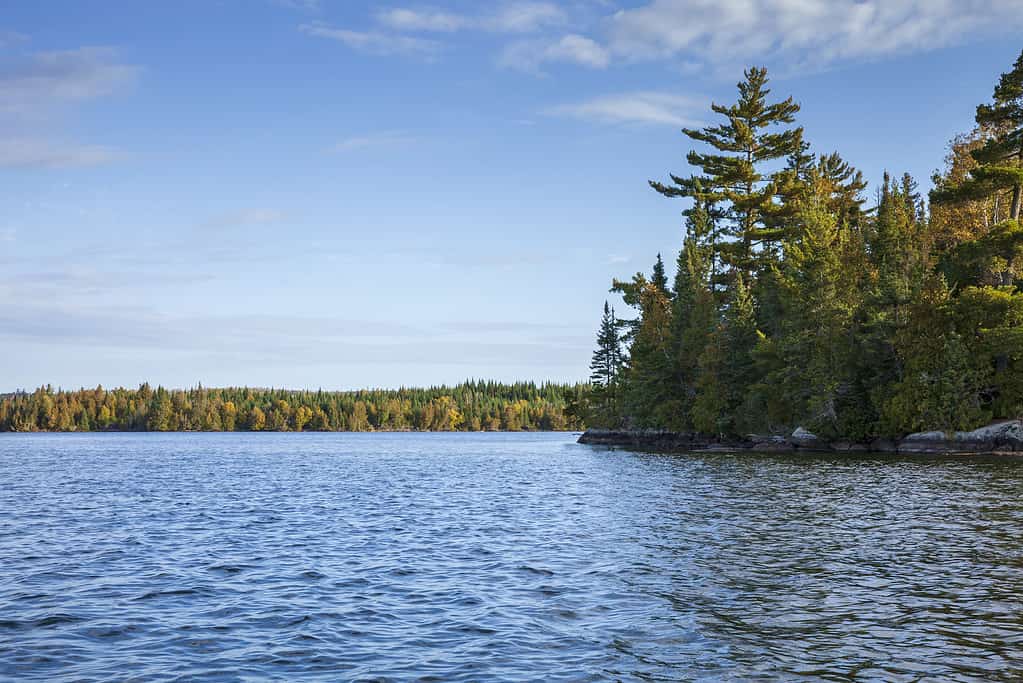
(466, 557)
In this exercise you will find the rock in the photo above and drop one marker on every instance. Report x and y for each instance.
(1000, 437)
(802, 438)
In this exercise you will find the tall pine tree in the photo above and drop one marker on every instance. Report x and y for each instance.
(733, 175)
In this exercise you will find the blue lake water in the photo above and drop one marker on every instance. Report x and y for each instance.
(473, 557)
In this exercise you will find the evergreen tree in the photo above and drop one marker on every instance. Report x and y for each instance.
(725, 369)
(604, 369)
(733, 175)
(1000, 158)
(657, 276)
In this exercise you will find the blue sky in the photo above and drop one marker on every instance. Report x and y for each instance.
(337, 194)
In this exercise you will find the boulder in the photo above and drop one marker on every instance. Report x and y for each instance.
(801, 438)
(1003, 437)
(1000, 437)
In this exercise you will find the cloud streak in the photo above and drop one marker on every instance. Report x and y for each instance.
(572, 48)
(802, 32)
(374, 42)
(517, 17)
(649, 107)
(48, 79)
(36, 153)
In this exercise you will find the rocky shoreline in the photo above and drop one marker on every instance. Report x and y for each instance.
(998, 438)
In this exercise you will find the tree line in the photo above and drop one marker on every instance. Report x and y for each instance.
(798, 302)
(470, 406)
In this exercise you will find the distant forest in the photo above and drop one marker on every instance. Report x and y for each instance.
(470, 406)
(799, 301)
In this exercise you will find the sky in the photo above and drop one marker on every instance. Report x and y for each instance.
(341, 194)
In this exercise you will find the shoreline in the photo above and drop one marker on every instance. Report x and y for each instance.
(1002, 438)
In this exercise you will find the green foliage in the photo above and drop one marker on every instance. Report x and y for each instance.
(1000, 156)
(471, 406)
(994, 259)
(733, 177)
(605, 367)
(794, 305)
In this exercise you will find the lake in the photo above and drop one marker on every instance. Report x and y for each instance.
(469, 557)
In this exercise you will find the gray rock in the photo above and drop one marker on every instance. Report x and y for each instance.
(1000, 437)
(801, 438)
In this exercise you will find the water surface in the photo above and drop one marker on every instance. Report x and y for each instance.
(499, 557)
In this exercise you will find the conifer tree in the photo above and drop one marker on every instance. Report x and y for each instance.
(604, 369)
(694, 311)
(657, 276)
(1000, 157)
(733, 175)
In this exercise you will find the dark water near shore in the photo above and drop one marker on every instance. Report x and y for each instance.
(499, 557)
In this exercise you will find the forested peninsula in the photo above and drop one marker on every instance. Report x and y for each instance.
(802, 308)
(470, 406)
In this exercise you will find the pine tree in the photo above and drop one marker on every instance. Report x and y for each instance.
(1000, 158)
(733, 175)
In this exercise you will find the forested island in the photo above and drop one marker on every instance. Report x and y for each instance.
(799, 305)
(470, 406)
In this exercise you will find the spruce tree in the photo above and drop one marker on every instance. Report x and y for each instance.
(657, 277)
(607, 359)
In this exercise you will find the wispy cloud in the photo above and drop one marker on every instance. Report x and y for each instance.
(638, 107)
(798, 32)
(9, 39)
(36, 89)
(36, 153)
(515, 17)
(47, 79)
(575, 49)
(372, 140)
(404, 19)
(373, 42)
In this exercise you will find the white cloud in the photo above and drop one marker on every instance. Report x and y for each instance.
(527, 16)
(404, 19)
(573, 48)
(375, 43)
(516, 17)
(37, 153)
(803, 32)
(48, 79)
(639, 107)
